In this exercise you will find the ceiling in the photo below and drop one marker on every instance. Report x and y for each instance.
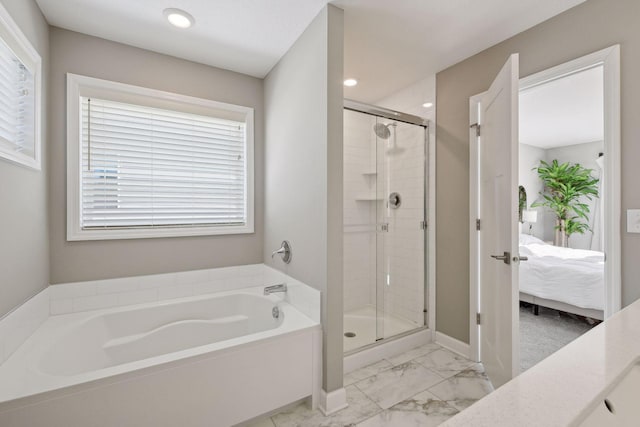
(247, 36)
(565, 111)
(389, 44)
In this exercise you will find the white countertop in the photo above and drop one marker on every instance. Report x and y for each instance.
(561, 388)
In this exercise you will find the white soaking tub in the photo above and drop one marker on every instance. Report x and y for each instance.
(209, 360)
(133, 334)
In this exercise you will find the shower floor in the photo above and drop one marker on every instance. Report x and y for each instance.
(362, 322)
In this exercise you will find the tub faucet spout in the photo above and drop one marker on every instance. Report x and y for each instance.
(281, 287)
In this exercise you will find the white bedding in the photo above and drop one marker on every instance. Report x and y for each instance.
(572, 276)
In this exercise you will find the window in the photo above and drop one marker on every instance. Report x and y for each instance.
(145, 163)
(20, 68)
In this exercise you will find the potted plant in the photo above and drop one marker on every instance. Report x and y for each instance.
(566, 186)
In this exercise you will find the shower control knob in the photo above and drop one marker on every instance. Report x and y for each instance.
(395, 200)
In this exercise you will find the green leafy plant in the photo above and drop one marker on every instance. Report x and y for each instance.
(573, 226)
(566, 186)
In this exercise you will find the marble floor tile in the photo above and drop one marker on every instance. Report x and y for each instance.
(398, 383)
(465, 388)
(264, 422)
(422, 410)
(413, 353)
(366, 372)
(360, 408)
(444, 362)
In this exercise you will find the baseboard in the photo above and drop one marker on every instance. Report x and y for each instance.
(453, 344)
(384, 349)
(333, 401)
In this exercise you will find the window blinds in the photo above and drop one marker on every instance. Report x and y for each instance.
(146, 167)
(17, 103)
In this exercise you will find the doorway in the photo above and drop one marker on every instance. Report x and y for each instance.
(534, 239)
(560, 211)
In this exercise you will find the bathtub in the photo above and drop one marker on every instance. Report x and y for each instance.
(206, 360)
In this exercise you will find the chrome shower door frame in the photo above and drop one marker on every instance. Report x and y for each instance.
(424, 123)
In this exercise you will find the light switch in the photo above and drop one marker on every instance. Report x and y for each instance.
(633, 220)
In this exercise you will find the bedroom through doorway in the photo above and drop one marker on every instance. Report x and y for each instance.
(560, 212)
(544, 266)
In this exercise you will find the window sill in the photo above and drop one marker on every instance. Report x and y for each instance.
(122, 234)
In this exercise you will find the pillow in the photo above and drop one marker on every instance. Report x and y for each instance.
(527, 239)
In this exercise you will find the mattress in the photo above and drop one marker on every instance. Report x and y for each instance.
(571, 276)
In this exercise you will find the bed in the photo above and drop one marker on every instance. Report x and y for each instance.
(566, 279)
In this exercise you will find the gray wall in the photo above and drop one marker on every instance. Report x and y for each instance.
(591, 26)
(24, 250)
(76, 261)
(303, 176)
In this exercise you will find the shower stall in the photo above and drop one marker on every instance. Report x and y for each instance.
(385, 224)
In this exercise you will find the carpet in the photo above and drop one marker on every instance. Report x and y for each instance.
(543, 335)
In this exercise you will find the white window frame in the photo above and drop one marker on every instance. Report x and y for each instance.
(82, 86)
(11, 34)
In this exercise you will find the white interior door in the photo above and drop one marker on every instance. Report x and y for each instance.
(498, 249)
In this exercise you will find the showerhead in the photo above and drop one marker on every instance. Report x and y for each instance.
(382, 130)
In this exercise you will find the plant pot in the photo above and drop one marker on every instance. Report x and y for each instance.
(561, 238)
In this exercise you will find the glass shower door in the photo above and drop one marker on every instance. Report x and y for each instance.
(383, 131)
(360, 225)
(400, 240)
(384, 236)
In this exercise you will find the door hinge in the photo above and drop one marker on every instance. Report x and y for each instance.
(478, 224)
(423, 225)
(477, 318)
(477, 126)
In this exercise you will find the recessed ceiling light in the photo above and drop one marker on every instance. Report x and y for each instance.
(179, 18)
(350, 82)
(427, 104)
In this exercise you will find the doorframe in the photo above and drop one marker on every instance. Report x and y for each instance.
(609, 58)
(430, 263)
(474, 214)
